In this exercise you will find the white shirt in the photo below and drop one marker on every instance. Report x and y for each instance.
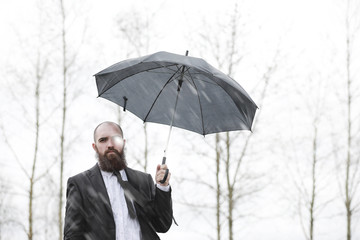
(126, 227)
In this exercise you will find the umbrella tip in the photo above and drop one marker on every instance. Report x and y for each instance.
(187, 52)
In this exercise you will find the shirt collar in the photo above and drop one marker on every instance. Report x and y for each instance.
(107, 175)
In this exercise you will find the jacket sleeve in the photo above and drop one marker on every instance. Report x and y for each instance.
(162, 205)
(74, 226)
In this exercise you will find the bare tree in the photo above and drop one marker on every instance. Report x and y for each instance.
(40, 68)
(232, 149)
(69, 91)
(64, 114)
(235, 177)
(312, 181)
(313, 177)
(39, 77)
(352, 164)
(348, 91)
(231, 60)
(218, 152)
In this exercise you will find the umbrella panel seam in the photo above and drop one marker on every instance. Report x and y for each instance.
(157, 97)
(201, 112)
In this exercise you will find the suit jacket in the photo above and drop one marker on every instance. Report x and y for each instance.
(88, 211)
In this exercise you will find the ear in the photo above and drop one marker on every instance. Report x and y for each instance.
(94, 146)
(124, 143)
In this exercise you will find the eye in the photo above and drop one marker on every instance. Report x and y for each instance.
(118, 140)
(102, 139)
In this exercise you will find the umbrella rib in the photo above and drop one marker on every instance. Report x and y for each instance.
(202, 72)
(201, 112)
(166, 67)
(167, 82)
(189, 74)
(111, 84)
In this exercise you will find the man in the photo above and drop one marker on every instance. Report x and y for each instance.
(111, 201)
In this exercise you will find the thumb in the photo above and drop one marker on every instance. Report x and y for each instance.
(158, 167)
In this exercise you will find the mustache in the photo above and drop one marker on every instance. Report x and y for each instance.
(112, 150)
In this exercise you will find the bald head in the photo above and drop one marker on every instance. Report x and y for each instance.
(107, 123)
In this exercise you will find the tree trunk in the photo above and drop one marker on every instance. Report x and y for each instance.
(64, 111)
(349, 129)
(37, 129)
(146, 148)
(313, 193)
(218, 189)
(230, 189)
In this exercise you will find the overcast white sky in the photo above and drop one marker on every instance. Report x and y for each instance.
(304, 28)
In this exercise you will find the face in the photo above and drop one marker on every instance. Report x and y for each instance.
(109, 147)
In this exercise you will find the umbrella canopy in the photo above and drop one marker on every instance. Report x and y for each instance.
(177, 90)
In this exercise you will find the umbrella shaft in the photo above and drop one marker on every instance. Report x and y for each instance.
(173, 115)
(171, 124)
(181, 79)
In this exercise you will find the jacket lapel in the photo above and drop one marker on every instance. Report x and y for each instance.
(133, 178)
(97, 181)
(130, 176)
(140, 182)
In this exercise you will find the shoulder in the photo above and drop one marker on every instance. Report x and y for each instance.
(84, 175)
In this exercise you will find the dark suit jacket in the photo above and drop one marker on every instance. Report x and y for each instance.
(89, 214)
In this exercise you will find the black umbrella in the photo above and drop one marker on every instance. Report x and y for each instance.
(177, 90)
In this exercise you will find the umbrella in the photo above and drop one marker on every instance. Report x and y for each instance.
(177, 90)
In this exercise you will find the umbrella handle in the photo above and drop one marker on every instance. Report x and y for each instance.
(166, 171)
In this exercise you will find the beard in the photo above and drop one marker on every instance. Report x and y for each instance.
(114, 162)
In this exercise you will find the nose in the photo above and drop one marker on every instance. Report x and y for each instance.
(110, 143)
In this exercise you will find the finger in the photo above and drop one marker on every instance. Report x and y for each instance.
(163, 167)
(161, 176)
(161, 172)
